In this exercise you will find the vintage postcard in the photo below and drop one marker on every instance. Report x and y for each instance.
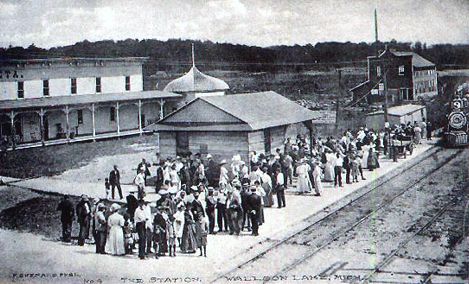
(234, 141)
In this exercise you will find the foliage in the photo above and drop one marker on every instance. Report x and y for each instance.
(241, 57)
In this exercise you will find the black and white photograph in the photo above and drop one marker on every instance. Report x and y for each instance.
(234, 141)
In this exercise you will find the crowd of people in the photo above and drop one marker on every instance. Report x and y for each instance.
(194, 196)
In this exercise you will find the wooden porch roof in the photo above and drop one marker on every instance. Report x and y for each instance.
(57, 101)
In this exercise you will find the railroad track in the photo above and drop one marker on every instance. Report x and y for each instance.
(447, 208)
(337, 235)
(402, 244)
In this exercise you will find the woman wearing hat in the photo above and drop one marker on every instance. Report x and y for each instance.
(115, 238)
(304, 183)
(317, 178)
(189, 242)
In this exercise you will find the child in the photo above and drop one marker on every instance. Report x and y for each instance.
(171, 236)
(107, 185)
(202, 231)
(128, 237)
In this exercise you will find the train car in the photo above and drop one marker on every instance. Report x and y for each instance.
(456, 132)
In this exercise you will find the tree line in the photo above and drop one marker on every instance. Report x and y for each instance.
(215, 55)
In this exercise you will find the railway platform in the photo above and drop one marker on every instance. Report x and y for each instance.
(225, 252)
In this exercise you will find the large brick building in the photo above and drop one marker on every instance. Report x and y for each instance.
(409, 77)
(53, 101)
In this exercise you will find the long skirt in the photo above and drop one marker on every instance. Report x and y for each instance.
(115, 241)
(328, 172)
(189, 242)
(268, 199)
(304, 183)
(261, 215)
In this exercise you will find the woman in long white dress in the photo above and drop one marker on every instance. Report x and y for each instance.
(317, 178)
(364, 152)
(115, 238)
(304, 183)
(329, 167)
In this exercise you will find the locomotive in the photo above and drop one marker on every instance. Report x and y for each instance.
(456, 132)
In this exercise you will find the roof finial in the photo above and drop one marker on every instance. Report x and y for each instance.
(193, 57)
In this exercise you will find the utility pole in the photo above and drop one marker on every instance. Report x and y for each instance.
(385, 85)
(383, 67)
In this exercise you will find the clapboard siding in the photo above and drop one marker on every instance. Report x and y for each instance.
(277, 135)
(256, 141)
(222, 145)
(167, 144)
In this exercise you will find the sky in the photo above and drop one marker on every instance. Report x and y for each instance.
(48, 23)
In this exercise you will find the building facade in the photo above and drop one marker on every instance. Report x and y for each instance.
(406, 76)
(52, 101)
(397, 115)
(230, 125)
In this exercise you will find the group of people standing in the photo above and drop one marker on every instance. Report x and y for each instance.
(195, 196)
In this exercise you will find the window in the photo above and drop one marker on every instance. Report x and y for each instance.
(112, 114)
(20, 90)
(80, 116)
(401, 70)
(45, 88)
(378, 71)
(73, 85)
(98, 84)
(127, 83)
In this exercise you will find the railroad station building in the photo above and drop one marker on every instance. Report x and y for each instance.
(409, 77)
(234, 124)
(54, 101)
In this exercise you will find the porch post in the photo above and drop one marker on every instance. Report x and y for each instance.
(41, 125)
(117, 119)
(93, 121)
(161, 108)
(13, 129)
(140, 116)
(67, 134)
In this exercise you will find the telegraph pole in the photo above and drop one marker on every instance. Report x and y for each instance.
(383, 67)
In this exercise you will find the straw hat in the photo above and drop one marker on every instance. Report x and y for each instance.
(223, 162)
(162, 192)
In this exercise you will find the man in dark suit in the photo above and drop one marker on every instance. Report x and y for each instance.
(212, 172)
(83, 216)
(115, 181)
(132, 204)
(159, 176)
(254, 206)
(67, 214)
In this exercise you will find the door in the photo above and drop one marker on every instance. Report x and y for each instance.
(182, 143)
